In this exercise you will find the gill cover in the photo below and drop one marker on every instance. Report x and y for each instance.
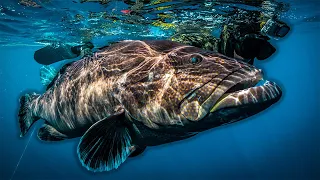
(191, 108)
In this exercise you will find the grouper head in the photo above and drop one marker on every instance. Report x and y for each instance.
(186, 86)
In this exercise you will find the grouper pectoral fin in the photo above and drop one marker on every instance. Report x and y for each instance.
(49, 133)
(106, 144)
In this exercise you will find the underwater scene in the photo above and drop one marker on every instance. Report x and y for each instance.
(159, 89)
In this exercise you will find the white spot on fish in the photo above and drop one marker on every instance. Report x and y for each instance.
(151, 76)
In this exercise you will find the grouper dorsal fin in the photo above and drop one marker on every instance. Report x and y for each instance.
(49, 74)
(106, 144)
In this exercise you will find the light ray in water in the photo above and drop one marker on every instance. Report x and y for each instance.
(22, 155)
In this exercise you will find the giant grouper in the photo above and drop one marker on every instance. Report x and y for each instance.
(135, 94)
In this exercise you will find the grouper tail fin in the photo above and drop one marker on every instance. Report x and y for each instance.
(26, 115)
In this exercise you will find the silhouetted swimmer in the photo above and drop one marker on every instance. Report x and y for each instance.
(245, 40)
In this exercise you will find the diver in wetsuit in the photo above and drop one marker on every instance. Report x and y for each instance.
(245, 40)
(60, 51)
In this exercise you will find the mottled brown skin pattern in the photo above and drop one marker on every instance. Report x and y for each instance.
(151, 81)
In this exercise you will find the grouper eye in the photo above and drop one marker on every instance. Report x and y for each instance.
(195, 59)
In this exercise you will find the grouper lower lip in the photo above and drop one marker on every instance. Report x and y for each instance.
(261, 92)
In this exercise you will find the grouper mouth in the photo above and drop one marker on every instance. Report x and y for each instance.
(238, 95)
(255, 93)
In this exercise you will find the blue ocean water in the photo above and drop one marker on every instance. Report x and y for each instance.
(281, 142)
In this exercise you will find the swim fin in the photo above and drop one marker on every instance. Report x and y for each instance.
(54, 53)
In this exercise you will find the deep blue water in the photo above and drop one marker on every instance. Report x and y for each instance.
(282, 142)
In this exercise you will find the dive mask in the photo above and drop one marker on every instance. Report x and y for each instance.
(275, 29)
(77, 49)
(254, 46)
